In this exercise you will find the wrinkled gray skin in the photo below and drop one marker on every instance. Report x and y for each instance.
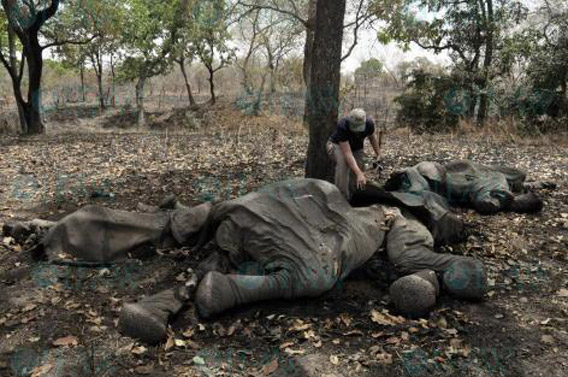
(288, 240)
(488, 189)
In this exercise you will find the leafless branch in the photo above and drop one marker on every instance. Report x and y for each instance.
(71, 42)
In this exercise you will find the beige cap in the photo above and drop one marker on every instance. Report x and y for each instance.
(357, 120)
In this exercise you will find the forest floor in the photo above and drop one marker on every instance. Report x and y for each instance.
(61, 321)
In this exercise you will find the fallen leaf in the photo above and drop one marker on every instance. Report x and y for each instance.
(299, 326)
(169, 343)
(563, 292)
(198, 360)
(41, 370)
(292, 352)
(144, 369)
(384, 358)
(29, 308)
(66, 341)
(189, 332)
(334, 359)
(393, 340)
(346, 319)
(286, 345)
(385, 318)
(138, 350)
(269, 368)
(548, 339)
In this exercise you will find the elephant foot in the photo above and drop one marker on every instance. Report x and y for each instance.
(136, 321)
(147, 320)
(466, 278)
(414, 295)
(214, 294)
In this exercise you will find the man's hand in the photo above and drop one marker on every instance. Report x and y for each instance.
(361, 181)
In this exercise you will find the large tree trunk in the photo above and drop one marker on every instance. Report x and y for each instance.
(323, 91)
(308, 51)
(140, 100)
(488, 60)
(181, 63)
(309, 43)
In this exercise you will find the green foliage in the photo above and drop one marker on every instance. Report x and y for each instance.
(148, 36)
(210, 35)
(431, 103)
(369, 69)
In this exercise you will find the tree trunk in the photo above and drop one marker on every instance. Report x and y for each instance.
(33, 108)
(29, 111)
(483, 96)
(213, 99)
(101, 92)
(181, 63)
(323, 91)
(308, 51)
(113, 78)
(140, 100)
(309, 43)
(472, 103)
(21, 104)
(82, 71)
(98, 67)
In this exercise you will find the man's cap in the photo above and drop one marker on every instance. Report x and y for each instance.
(357, 120)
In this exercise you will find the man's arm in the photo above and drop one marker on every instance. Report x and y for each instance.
(352, 163)
(375, 143)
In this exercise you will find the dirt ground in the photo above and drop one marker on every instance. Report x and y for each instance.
(61, 321)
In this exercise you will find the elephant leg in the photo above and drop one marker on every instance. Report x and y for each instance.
(414, 295)
(147, 319)
(409, 248)
(219, 292)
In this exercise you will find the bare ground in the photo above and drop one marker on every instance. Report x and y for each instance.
(61, 321)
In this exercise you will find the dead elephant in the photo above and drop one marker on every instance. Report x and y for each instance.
(488, 189)
(299, 238)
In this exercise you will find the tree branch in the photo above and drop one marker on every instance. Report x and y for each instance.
(6, 64)
(360, 19)
(45, 14)
(70, 41)
(275, 9)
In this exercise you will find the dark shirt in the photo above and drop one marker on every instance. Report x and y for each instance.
(343, 133)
